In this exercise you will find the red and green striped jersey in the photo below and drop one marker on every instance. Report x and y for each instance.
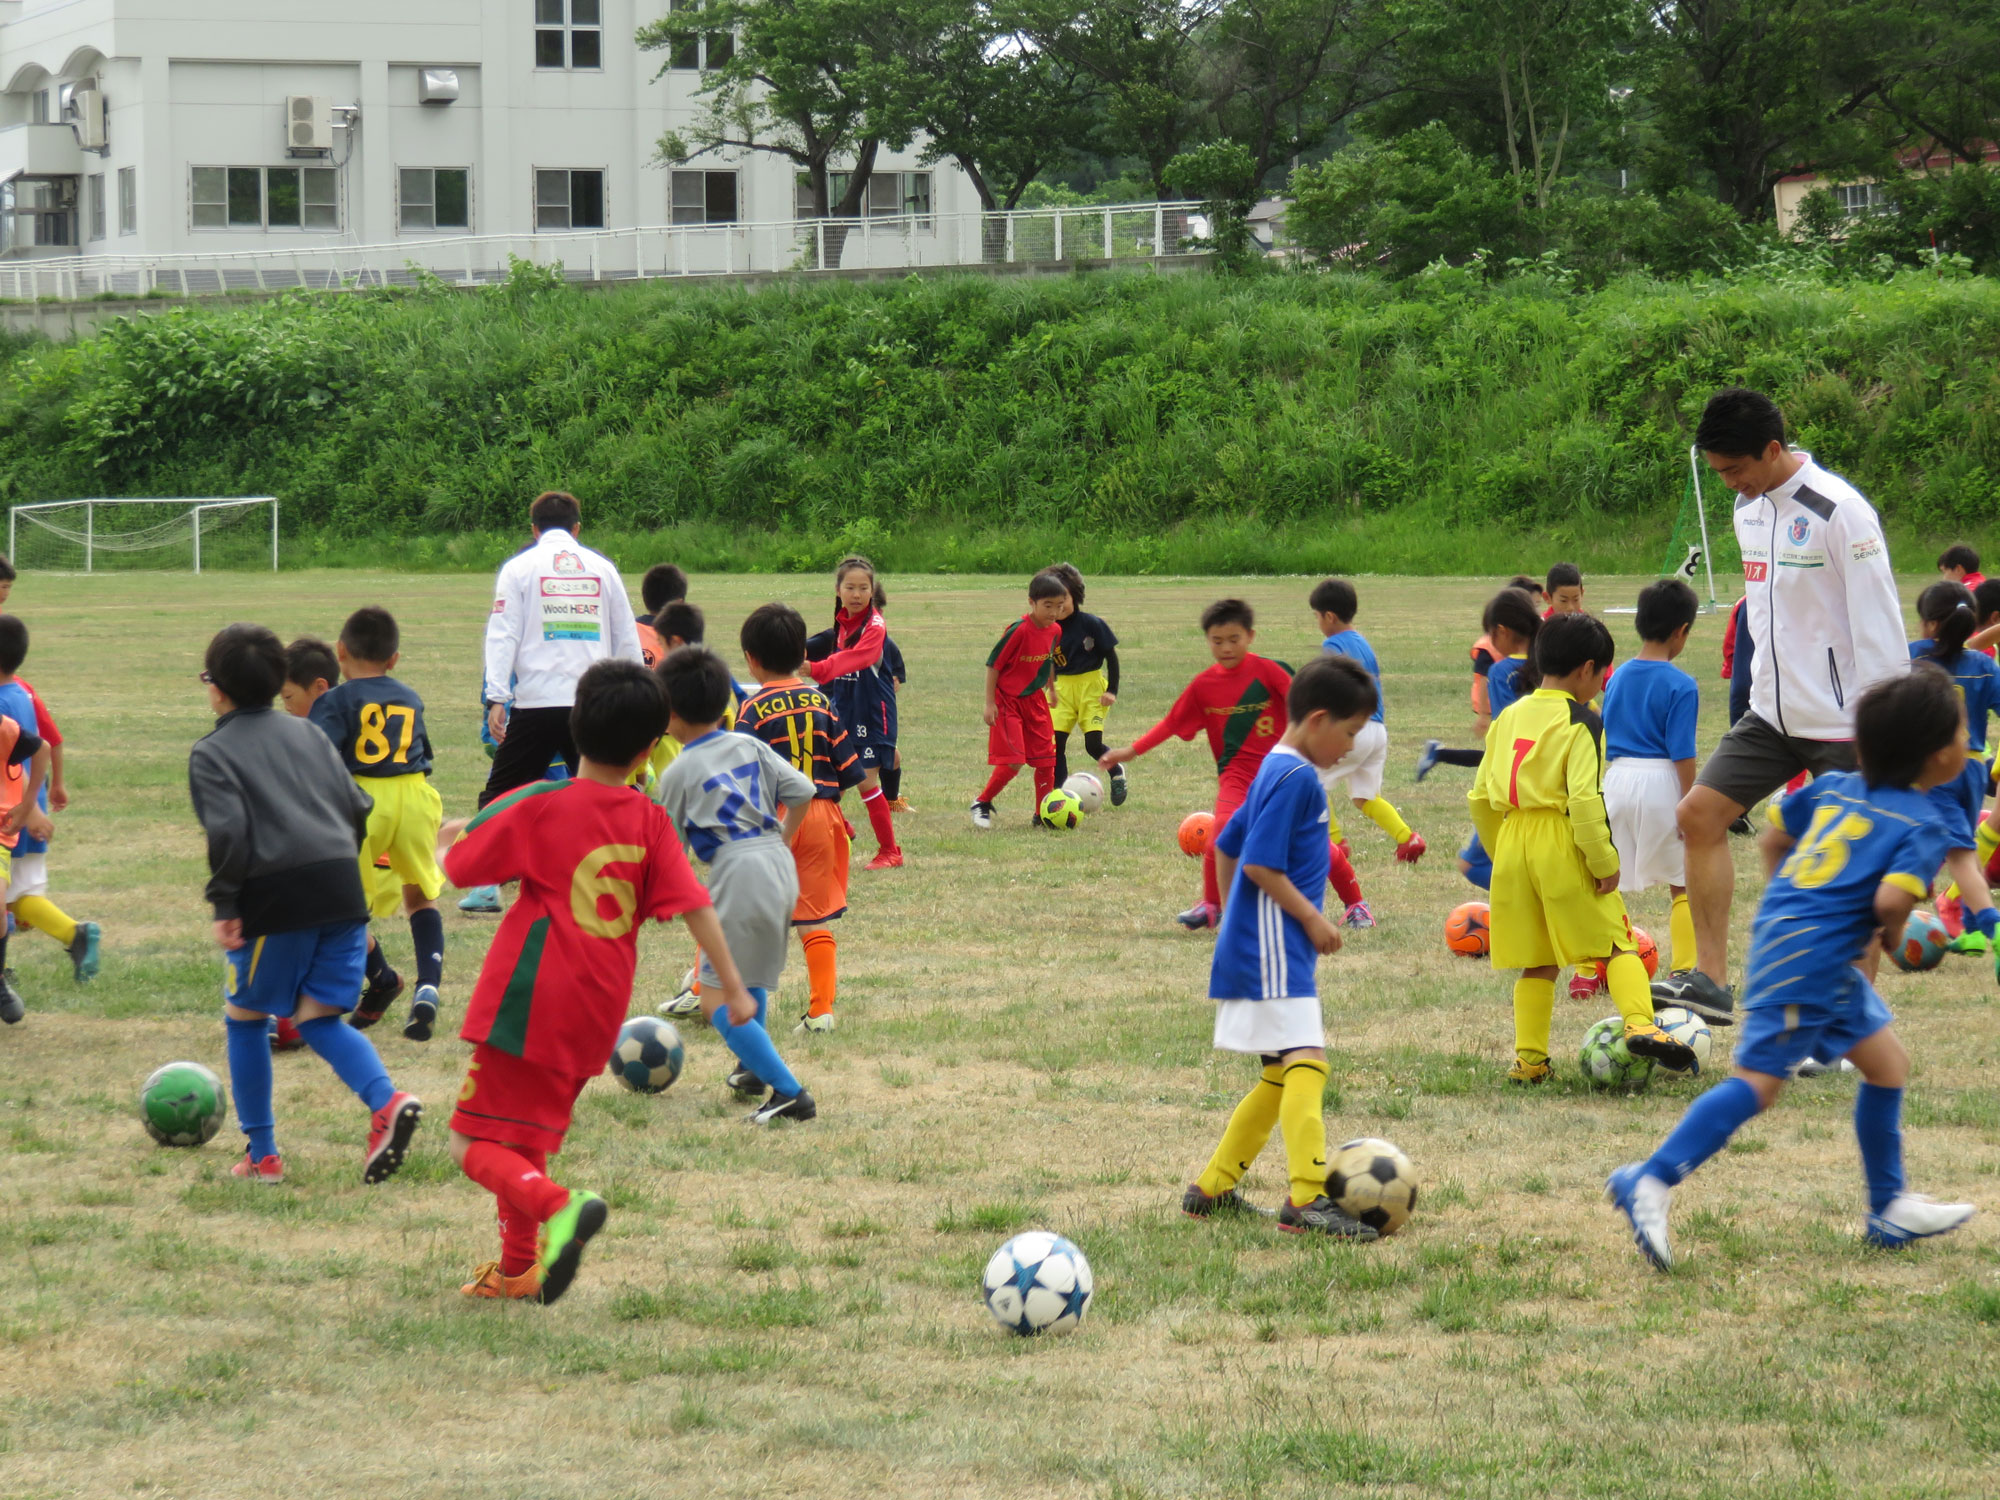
(1241, 707)
(1025, 657)
(594, 861)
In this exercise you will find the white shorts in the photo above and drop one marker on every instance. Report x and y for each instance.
(1639, 801)
(29, 877)
(1261, 1026)
(1361, 768)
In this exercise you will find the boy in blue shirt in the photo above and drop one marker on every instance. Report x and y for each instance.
(1849, 860)
(1271, 863)
(1335, 604)
(28, 883)
(1948, 616)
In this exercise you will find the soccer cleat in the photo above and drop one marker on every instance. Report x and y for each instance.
(1693, 990)
(376, 1000)
(1644, 1039)
(1358, 916)
(1584, 983)
(1969, 942)
(982, 815)
(423, 1013)
(488, 1282)
(1119, 790)
(481, 898)
(576, 1223)
(82, 951)
(1323, 1216)
(1951, 912)
(270, 1169)
(1526, 1070)
(1742, 825)
(389, 1132)
(285, 1036)
(1643, 1199)
(901, 805)
(745, 1084)
(1914, 1216)
(1411, 849)
(12, 1006)
(1199, 1205)
(685, 1005)
(886, 859)
(1197, 918)
(797, 1106)
(1427, 759)
(812, 1023)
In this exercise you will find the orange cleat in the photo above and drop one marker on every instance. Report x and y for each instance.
(270, 1169)
(887, 859)
(488, 1282)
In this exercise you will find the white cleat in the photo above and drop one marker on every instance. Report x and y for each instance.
(1914, 1216)
(1643, 1199)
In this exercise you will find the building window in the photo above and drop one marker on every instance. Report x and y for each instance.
(703, 198)
(1859, 198)
(37, 211)
(95, 201)
(434, 198)
(708, 50)
(128, 200)
(568, 34)
(265, 198)
(569, 200)
(890, 195)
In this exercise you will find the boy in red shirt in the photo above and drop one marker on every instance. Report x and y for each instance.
(1018, 672)
(594, 860)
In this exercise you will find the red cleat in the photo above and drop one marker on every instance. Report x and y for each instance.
(389, 1132)
(887, 859)
(286, 1038)
(270, 1169)
(1584, 983)
(1411, 849)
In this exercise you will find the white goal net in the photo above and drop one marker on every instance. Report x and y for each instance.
(138, 536)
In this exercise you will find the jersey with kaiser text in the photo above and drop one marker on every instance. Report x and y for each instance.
(1025, 657)
(1546, 753)
(377, 725)
(1242, 708)
(799, 722)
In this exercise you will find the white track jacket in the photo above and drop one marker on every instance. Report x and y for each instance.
(1823, 609)
(557, 608)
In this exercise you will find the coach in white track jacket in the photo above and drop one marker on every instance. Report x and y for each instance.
(1821, 607)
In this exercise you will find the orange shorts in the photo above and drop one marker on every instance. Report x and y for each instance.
(514, 1102)
(820, 851)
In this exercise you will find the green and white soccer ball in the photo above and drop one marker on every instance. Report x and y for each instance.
(1087, 789)
(182, 1104)
(1606, 1061)
(1689, 1029)
(1060, 809)
(649, 1055)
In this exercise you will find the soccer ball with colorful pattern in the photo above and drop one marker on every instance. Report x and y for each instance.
(1469, 929)
(649, 1055)
(1196, 828)
(1607, 1062)
(182, 1104)
(1060, 809)
(1689, 1029)
(1374, 1182)
(1037, 1283)
(1923, 945)
(1087, 789)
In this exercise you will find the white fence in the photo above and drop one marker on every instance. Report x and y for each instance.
(1128, 232)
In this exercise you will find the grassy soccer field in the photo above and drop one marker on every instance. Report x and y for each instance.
(1023, 1042)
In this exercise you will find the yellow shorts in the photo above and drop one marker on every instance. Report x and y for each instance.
(1546, 909)
(1076, 705)
(404, 826)
(6, 864)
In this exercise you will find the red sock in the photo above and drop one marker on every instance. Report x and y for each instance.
(877, 807)
(527, 1197)
(1045, 782)
(997, 782)
(1341, 873)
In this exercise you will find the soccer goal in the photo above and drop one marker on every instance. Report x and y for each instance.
(143, 536)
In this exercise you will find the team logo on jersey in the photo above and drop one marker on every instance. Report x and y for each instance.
(567, 562)
(1799, 530)
(1867, 547)
(1756, 572)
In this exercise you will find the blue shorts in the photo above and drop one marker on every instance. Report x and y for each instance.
(876, 755)
(273, 973)
(1481, 871)
(1777, 1038)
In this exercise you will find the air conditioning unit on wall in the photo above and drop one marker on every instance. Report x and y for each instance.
(86, 115)
(308, 122)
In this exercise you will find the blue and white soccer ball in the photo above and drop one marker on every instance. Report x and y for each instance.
(649, 1055)
(1037, 1283)
(1689, 1029)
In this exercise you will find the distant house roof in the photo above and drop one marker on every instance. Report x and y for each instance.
(1917, 159)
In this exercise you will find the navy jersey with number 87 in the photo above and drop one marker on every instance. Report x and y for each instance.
(377, 725)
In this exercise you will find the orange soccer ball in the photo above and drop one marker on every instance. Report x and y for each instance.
(1649, 951)
(1196, 830)
(1469, 929)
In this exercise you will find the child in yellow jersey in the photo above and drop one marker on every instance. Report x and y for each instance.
(1538, 802)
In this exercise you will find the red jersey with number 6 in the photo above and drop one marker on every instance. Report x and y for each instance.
(594, 861)
(1241, 707)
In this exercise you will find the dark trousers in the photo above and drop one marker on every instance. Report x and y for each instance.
(535, 736)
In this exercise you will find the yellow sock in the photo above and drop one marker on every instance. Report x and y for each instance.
(1248, 1129)
(1332, 823)
(1631, 991)
(1385, 817)
(1680, 932)
(1534, 1005)
(1302, 1113)
(44, 915)
(1986, 838)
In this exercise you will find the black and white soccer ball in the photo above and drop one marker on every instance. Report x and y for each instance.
(1037, 1283)
(1374, 1182)
(649, 1055)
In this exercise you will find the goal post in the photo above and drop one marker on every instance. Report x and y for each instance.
(103, 535)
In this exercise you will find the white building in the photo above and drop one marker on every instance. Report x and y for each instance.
(156, 127)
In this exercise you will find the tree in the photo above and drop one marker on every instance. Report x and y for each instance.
(1405, 203)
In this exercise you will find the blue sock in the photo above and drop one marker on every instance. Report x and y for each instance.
(351, 1056)
(427, 932)
(763, 998)
(250, 1080)
(1878, 1125)
(752, 1045)
(1704, 1130)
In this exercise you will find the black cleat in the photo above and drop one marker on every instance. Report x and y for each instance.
(12, 1006)
(1693, 990)
(1198, 1205)
(798, 1106)
(1323, 1216)
(423, 1013)
(376, 1000)
(1119, 791)
(1741, 827)
(747, 1085)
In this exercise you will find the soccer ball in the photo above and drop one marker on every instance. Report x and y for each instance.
(1374, 1182)
(648, 1056)
(1060, 809)
(1087, 790)
(1605, 1060)
(1196, 829)
(1686, 1027)
(182, 1104)
(1469, 929)
(1649, 951)
(1037, 1283)
(1924, 943)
